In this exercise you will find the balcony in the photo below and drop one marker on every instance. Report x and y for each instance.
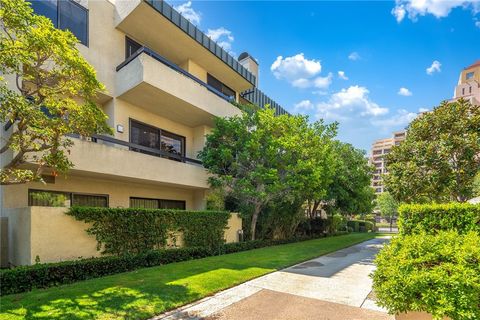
(113, 159)
(157, 25)
(149, 80)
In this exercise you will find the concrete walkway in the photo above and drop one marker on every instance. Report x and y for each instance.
(333, 286)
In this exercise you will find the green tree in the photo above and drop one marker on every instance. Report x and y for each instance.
(440, 156)
(387, 206)
(259, 158)
(54, 94)
(350, 191)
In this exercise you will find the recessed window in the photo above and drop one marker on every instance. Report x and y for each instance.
(470, 75)
(158, 139)
(217, 84)
(65, 15)
(131, 46)
(47, 198)
(147, 203)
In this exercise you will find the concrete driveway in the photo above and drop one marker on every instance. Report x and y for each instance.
(333, 286)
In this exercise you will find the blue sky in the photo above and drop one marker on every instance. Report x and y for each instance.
(371, 66)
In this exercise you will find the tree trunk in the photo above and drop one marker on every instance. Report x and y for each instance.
(253, 224)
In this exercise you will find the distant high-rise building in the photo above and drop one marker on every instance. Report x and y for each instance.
(379, 149)
(468, 86)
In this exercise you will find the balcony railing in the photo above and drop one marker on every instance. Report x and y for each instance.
(139, 148)
(173, 66)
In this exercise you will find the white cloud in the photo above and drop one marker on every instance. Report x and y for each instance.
(189, 13)
(303, 106)
(404, 92)
(401, 119)
(477, 24)
(300, 72)
(435, 67)
(347, 103)
(354, 56)
(295, 67)
(423, 110)
(222, 36)
(341, 75)
(437, 8)
(323, 82)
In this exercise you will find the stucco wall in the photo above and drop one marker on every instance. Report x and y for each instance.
(49, 234)
(16, 196)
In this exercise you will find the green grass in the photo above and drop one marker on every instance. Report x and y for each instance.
(147, 292)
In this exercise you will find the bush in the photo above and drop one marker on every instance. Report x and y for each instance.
(122, 231)
(430, 218)
(44, 275)
(438, 274)
(360, 225)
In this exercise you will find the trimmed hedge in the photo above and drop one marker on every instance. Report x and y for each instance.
(360, 225)
(133, 230)
(431, 218)
(438, 274)
(44, 275)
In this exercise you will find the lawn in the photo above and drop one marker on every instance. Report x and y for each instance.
(147, 292)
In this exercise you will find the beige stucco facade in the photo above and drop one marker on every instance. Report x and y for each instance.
(66, 238)
(146, 89)
(468, 86)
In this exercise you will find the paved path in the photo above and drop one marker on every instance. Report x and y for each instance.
(334, 286)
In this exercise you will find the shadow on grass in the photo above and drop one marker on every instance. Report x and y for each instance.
(147, 292)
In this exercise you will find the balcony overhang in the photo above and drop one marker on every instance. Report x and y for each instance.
(156, 25)
(155, 86)
(104, 161)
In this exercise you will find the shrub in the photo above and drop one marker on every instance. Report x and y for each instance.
(130, 231)
(46, 275)
(430, 218)
(438, 274)
(360, 225)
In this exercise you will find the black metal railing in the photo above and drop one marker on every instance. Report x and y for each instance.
(143, 149)
(173, 66)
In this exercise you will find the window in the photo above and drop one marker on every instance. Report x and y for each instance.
(131, 46)
(217, 84)
(470, 89)
(46, 198)
(156, 203)
(470, 75)
(65, 15)
(155, 138)
(378, 190)
(463, 91)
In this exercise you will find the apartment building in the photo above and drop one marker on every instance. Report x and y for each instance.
(379, 149)
(468, 86)
(166, 81)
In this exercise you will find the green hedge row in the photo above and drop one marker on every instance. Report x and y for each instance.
(430, 218)
(438, 274)
(46, 275)
(132, 230)
(360, 226)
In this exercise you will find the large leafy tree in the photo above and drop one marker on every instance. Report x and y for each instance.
(259, 158)
(440, 156)
(48, 91)
(387, 206)
(350, 191)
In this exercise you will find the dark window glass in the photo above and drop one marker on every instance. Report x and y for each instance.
(172, 204)
(88, 200)
(156, 138)
(47, 8)
(156, 203)
(145, 135)
(217, 84)
(131, 46)
(48, 198)
(73, 17)
(173, 144)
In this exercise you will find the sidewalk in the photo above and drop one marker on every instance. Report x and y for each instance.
(334, 286)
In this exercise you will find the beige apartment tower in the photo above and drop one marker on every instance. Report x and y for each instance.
(468, 86)
(165, 83)
(379, 149)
